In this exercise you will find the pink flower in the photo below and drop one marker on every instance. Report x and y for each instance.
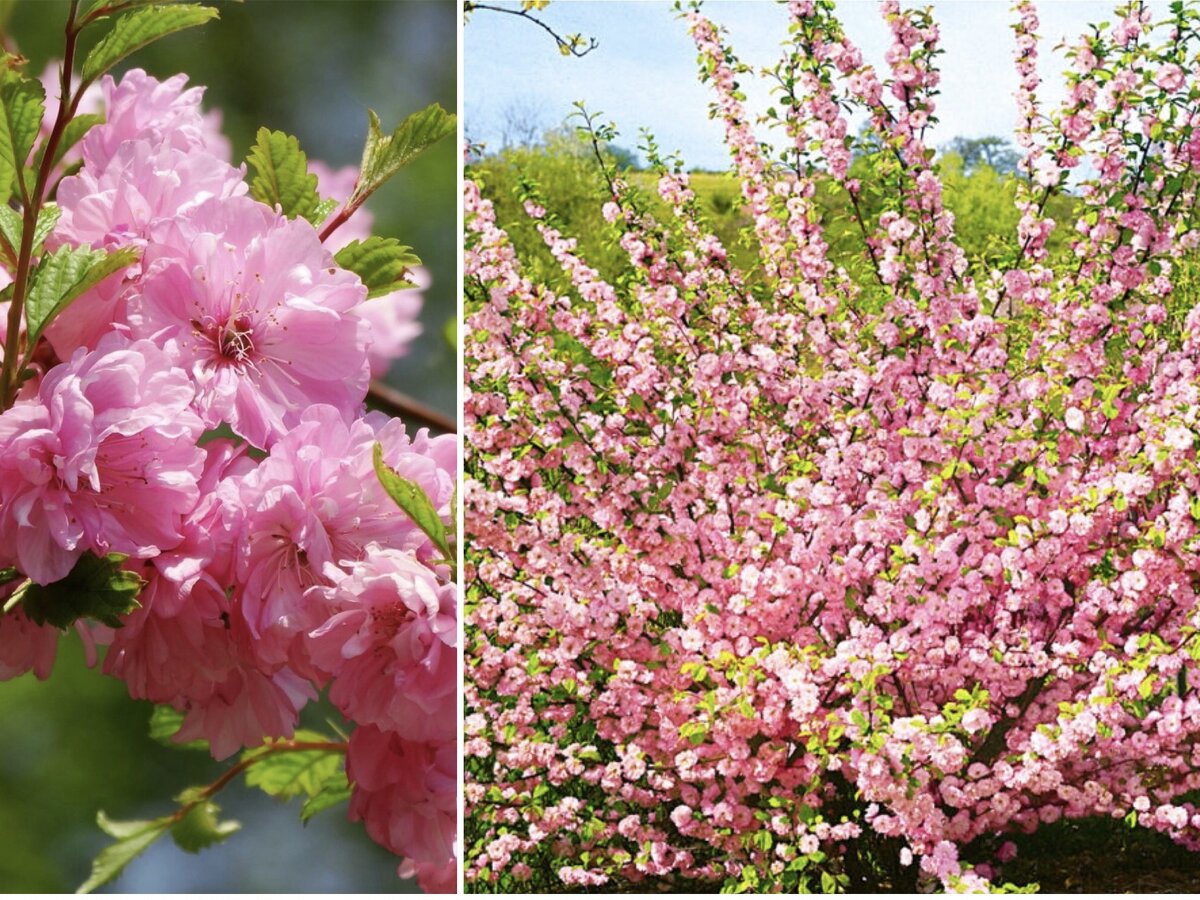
(104, 458)
(140, 107)
(389, 645)
(260, 314)
(434, 878)
(392, 323)
(141, 185)
(1169, 77)
(405, 792)
(315, 504)
(976, 720)
(24, 646)
(245, 708)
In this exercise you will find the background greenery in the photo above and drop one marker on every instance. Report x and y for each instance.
(76, 743)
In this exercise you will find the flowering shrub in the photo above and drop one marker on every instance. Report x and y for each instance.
(783, 580)
(188, 475)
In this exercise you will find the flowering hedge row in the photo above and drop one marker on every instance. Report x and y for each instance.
(780, 580)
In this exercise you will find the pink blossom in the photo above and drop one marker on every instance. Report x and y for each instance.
(405, 792)
(140, 107)
(316, 504)
(388, 643)
(261, 317)
(103, 459)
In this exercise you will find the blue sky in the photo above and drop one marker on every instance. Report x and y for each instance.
(644, 71)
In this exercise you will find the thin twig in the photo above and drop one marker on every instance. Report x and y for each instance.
(569, 46)
(400, 404)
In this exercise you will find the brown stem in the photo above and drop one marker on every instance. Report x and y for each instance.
(339, 220)
(400, 404)
(272, 750)
(562, 42)
(10, 375)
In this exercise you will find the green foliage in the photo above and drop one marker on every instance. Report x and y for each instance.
(568, 176)
(329, 796)
(194, 826)
(992, 151)
(295, 773)
(411, 498)
(65, 274)
(99, 10)
(383, 264)
(165, 723)
(96, 588)
(200, 826)
(138, 28)
(385, 155)
(132, 837)
(12, 225)
(282, 177)
(309, 765)
(22, 105)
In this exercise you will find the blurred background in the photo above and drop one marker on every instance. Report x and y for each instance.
(77, 743)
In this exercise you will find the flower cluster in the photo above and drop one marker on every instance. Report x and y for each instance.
(775, 574)
(201, 413)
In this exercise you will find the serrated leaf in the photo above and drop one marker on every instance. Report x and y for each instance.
(324, 208)
(282, 177)
(201, 827)
(385, 155)
(113, 7)
(47, 218)
(139, 28)
(22, 104)
(413, 500)
(12, 224)
(121, 829)
(132, 839)
(292, 773)
(382, 263)
(65, 274)
(96, 588)
(165, 723)
(329, 796)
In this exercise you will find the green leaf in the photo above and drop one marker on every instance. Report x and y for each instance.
(291, 773)
(96, 588)
(12, 224)
(201, 827)
(22, 104)
(48, 217)
(113, 7)
(329, 796)
(414, 501)
(132, 839)
(450, 331)
(385, 155)
(282, 177)
(165, 723)
(65, 274)
(137, 29)
(382, 263)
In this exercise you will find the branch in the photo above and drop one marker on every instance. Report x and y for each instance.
(397, 403)
(571, 44)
